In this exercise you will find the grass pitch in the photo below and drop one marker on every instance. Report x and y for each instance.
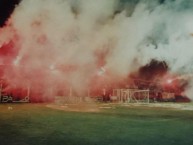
(36, 124)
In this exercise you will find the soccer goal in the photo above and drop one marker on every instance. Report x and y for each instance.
(131, 95)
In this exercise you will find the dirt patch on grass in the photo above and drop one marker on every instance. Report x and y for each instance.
(86, 107)
(178, 106)
(76, 107)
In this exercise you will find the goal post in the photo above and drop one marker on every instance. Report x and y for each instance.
(131, 95)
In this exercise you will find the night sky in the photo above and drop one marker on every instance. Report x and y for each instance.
(6, 8)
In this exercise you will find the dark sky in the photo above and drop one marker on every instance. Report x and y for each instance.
(6, 8)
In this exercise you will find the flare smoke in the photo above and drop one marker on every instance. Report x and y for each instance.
(52, 45)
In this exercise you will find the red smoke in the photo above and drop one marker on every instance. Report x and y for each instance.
(44, 84)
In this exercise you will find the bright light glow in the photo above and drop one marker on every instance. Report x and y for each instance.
(101, 71)
(52, 67)
(17, 60)
(169, 81)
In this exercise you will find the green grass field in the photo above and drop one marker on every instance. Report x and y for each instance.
(36, 124)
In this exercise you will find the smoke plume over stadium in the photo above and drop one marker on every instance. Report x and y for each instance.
(55, 44)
